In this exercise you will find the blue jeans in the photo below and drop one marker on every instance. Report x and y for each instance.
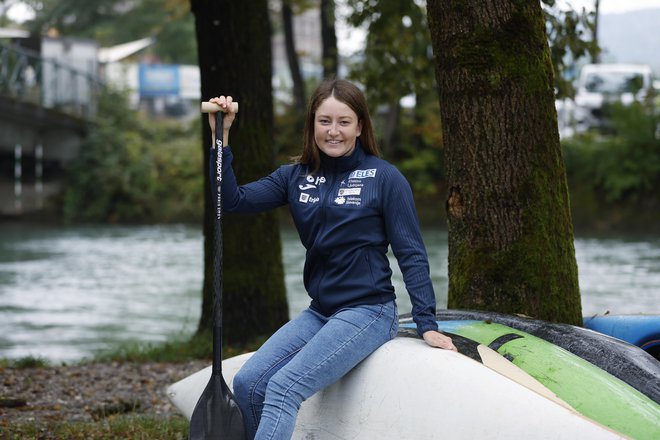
(304, 356)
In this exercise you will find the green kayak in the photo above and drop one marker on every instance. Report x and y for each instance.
(588, 389)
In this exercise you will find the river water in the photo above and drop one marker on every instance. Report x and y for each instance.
(68, 292)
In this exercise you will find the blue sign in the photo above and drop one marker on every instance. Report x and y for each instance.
(159, 80)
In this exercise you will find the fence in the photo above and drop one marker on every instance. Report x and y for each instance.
(28, 77)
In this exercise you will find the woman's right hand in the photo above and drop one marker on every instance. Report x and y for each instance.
(225, 102)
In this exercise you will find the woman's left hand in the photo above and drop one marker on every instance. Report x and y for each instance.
(226, 103)
(437, 339)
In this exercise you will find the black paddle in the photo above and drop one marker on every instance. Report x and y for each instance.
(217, 415)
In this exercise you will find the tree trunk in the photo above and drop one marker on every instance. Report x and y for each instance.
(299, 98)
(595, 56)
(329, 39)
(389, 141)
(509, 223)
(235, 59)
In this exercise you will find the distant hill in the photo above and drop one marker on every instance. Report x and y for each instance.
(631, 37)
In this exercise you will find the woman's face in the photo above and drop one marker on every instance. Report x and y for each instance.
(336, 128)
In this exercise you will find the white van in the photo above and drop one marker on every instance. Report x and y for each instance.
(599, 84)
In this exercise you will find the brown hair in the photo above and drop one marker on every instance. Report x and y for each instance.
(346, 92)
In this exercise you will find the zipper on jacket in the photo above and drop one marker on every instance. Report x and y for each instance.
(326, 201)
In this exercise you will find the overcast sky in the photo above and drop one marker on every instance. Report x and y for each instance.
(614, 6)
(20, 12)
(350, 39)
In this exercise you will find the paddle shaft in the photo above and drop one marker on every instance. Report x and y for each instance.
(216, 185)
(216, 195)
(216, 415)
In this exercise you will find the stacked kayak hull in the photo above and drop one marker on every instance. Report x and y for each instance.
(585, 387)
(621, 359)
(409, 390)
(640, 330)
(512, 378)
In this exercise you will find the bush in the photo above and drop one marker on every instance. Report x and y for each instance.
(621, 167)
(131, 169)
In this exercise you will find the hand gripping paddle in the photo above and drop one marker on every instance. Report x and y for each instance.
(217, 415)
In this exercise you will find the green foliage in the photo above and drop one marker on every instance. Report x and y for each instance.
(288, 125)
(620, 167)
(570, 33)
(420, 157)
(131, 169)
(397, 59)
(111, 22)
(287, 133)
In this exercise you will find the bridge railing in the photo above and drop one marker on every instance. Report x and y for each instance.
(28, 77)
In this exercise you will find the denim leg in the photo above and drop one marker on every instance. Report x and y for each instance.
(249, 384)
(345, 340)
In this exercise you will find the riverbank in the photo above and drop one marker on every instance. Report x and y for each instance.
(77, 401)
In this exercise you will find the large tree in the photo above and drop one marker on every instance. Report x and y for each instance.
(330, 54)
(510, 231)
(299, 98)
(235, 59)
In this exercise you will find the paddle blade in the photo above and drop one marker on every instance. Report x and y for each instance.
(216, 415)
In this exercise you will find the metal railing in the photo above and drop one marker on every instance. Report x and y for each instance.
(28, 77)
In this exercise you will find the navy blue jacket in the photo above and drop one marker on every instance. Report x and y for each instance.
(347, 214)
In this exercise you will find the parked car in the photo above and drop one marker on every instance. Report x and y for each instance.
(600, 84)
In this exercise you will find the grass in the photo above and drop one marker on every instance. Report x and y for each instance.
(25, 362)
(116, 427)
(123, 426)
(199, 346)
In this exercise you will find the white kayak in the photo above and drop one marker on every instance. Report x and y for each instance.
(409, 390)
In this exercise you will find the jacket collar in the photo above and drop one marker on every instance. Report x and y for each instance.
(343, 163)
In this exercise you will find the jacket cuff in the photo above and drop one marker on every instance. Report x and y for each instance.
(424, 327)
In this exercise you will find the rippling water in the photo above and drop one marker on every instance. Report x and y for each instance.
(65, 292)
(68, 292)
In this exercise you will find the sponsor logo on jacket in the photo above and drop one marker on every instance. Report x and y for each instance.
(363, 174)
(310, 183)
(306, 198)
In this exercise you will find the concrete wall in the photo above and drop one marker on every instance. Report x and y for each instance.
(36, 146)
